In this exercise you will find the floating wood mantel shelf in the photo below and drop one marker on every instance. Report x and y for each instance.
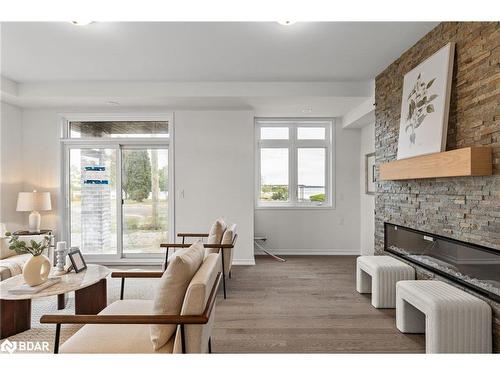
(469, 161)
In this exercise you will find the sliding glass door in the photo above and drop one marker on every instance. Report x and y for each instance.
(145, 199)
(117, 189)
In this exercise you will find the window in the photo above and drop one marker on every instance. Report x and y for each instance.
(116, 183)
(118, 129)
(294, 159)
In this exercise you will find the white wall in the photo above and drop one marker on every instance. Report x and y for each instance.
(321, 231)
(367, 202)
(213, 163)
(214, 168)
(219, 144)
(11, 166)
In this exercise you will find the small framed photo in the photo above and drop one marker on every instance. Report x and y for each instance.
(77, 261)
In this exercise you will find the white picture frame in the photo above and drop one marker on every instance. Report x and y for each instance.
(425, 105)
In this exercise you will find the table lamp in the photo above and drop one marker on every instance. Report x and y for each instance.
(34, 201)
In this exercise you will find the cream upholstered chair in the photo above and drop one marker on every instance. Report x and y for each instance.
(220, 239)
(124, 326)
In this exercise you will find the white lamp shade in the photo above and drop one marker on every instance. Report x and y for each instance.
(33, 201)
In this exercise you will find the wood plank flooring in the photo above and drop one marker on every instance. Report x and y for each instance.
(306, 305)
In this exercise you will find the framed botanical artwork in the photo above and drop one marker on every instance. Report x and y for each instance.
(425, 105)
(370, 173)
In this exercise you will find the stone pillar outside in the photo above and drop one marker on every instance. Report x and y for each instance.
(95, 207)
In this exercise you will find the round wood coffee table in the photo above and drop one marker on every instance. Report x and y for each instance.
(90, 297)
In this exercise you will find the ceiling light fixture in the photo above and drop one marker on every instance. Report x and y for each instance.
(286, 23)
(307, 110)
(113, 103)
(81, 23)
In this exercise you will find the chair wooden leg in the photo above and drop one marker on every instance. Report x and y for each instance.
(183, 339)
(223, 274)
(122, 289)
(166, 259)
(56, 339)
(209, 345)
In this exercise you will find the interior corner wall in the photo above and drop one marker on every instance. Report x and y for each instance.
(11, 166)
(328, 231)
(367, 201)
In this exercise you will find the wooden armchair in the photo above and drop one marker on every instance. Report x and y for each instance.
(132, 313)
(219, 247)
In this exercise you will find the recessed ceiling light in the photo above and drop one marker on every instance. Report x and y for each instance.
(113, 103)
(286, 23)
(307, 110)
(81, 23)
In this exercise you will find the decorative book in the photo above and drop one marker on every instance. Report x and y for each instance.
(26, 289)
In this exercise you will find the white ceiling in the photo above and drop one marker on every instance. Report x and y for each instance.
(307, 69)
(166, 51)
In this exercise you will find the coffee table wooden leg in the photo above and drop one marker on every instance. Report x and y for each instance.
(92, 299)
(15, 316)
(62, 299)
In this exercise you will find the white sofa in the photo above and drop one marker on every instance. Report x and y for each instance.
(11, 264)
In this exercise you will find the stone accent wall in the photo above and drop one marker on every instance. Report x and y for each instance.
(465, 208)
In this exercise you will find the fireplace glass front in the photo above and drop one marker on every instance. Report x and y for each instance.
(474, 266)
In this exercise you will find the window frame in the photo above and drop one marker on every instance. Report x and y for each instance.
(293, 144)
(67, 143)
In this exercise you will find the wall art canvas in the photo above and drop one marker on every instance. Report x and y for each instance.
(425, 105)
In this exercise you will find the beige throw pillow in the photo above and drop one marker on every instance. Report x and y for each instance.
(172, 288)
(215, 234)
(227, 239)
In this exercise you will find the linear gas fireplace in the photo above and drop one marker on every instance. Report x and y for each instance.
(473, 266)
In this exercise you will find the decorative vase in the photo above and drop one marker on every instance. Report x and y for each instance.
(36, 270)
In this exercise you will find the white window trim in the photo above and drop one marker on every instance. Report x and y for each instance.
(293, 145)
(67, 143)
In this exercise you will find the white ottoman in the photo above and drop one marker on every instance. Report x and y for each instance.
(378, 275)
(453, 321)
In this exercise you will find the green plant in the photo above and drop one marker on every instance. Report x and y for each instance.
(21, 247)
(132, 223)
(274, 192)
(317, 198)
(137, 176)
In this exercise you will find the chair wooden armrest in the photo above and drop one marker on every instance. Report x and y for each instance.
(192, 235)
(218, 246)
(175, 245)
(123, 319)
(136, 274)
(205, 245)
(135, 319)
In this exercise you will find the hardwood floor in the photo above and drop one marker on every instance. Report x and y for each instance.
(306, 305)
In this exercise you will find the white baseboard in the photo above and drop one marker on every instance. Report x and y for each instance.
(244, 262)
(311, 252)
